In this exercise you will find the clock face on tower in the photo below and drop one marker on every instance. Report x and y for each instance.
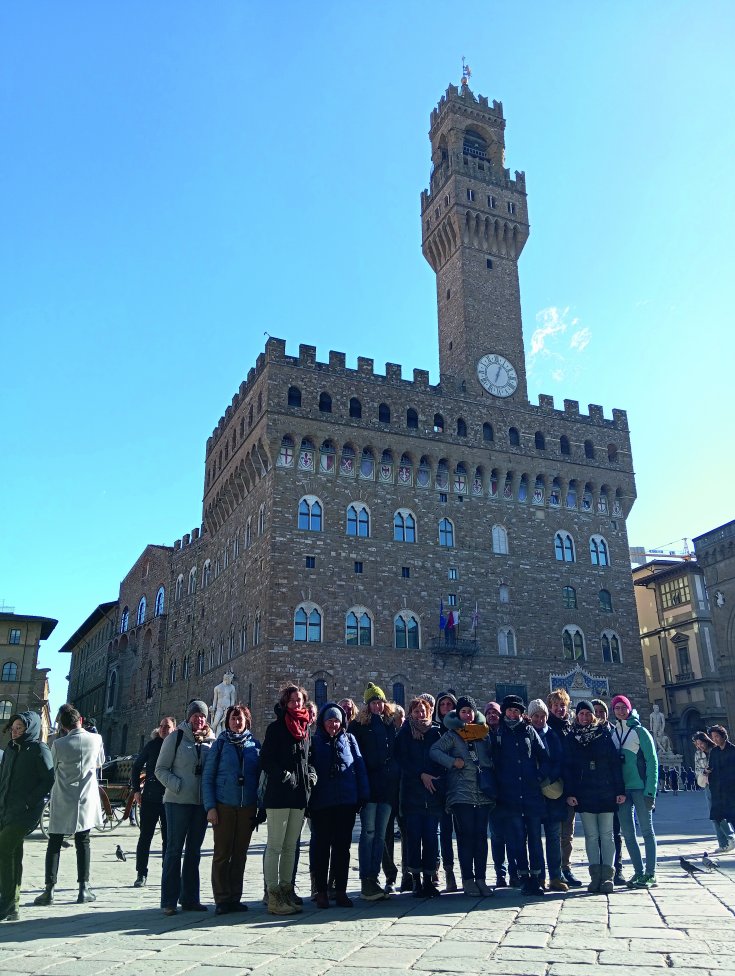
(497, 374)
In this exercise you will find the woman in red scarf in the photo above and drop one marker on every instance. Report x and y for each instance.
(284, 759)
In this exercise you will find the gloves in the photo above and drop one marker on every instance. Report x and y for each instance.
(650, 802)
(312, 776)
(289, 779)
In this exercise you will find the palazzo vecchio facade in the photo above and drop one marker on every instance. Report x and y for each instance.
(345, 508)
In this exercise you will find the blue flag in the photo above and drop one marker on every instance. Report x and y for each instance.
(442, 618)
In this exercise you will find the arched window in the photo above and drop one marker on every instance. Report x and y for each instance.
(261, 520)
(487, 432)
(124, 620)
(294, 396)
(570, 598)
(286, 453)
(140, 616)
(325, 403)
(589, 450)
(461, 427)
(358, 627)
(504, 593)
(10, 671)
(367, 464)
(612, 453)
(172, 672)
(358, 520)
(423, 475)
(307, 623)
(206, 573)
(256, 629)
(514, 438)
(564, 446)
(200, 663)
(179, 589)
(249, 532)
(605, 600)
(611, 653)
(193, 576)
(473, 144)
(384, 413)
(412, 419)
(438, 423)
(500, 540)
(310, 514)
(539, 441)
(225, 563)
(149, 681)
(160, 604)
(564, 548)
(404, 526)
(111, 690)
(250, 411)
(446, 533)
(573, 644)
(599, 553)
(6, 710)
(506, 642)
(406, 631)
(523, 488)
(355, 408)
(320, 693)
(572, 494)
(399, 693)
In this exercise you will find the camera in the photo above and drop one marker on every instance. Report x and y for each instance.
(198, 769)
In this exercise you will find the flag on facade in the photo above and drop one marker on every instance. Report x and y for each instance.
(442, 618)
(453, 619)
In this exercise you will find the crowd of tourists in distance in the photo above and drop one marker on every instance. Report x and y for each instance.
(513, 772)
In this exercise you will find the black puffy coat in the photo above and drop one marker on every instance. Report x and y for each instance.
(146, 760)
(376, 739)
(26, 775)
(341, 778)
(722, 782)
(413, 759)
(556, 810)
(593, 773)
(285, 760)
(521, 763)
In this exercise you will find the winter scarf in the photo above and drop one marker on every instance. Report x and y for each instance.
(473, 732)
(297, 723)
(585, 735)
(203, 735)
(513, 723)
(419, 728)
(236, 738)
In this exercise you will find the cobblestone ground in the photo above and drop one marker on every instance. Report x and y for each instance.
(687, 923)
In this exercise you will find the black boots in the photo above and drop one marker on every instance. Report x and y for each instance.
(418, 888)
(85, 893)
(429, 888)
(140, 881)
(46, 896)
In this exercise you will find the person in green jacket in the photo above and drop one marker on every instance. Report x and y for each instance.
(640, 776)
(26, 778)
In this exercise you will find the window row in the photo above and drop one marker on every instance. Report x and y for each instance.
(438, 425)
(140, 616)
(230, 443)
(574, 645)
(569, 596)
(231, 551)
(565, 551)
(9, 671)
(403, 471)
(358, 524)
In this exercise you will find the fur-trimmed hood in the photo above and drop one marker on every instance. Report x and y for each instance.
(453, 722)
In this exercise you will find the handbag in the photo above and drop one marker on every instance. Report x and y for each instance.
(552, 790)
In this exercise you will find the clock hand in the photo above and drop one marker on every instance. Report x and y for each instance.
(498, 373)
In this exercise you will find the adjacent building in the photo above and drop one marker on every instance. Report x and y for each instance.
(363, 526)
(716, 555)
(23, 685)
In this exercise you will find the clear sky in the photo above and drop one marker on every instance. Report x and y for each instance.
(177, 178)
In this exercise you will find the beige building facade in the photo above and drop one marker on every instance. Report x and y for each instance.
(23, 685)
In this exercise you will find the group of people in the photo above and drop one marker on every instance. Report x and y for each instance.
(514, 773)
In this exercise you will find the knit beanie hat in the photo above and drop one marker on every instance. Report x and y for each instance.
(196, 707)
(464, 701)
(332, 712)
(601, 703)
(537, 705)
(428, 698)
(491, 706)
(372, 692)
(512, 701)
(624, 700)
(584, 704)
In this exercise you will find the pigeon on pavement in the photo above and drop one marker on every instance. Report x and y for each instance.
(120, 853)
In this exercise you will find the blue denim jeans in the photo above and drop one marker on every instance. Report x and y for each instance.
(498, 849)
(723, 830)
(373, 822)
(598, 838)
(422, 842)
(446, 830)
(634, 800)
(186, 824)
(471, 824)
(519, 830)
(552, 838)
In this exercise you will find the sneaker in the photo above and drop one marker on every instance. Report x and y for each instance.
(556, 884)
(500, 881)
(570, 879)
(726, 848)
(390, 888)
(370, 890)
(140, 881)
(649, 881)
(636, 881)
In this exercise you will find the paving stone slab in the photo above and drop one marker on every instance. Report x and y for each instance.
(508, 953)
(631, 958)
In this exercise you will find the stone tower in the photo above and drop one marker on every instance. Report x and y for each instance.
(475, 223)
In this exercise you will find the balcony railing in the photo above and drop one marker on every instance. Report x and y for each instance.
(463, 646)
(684, 677)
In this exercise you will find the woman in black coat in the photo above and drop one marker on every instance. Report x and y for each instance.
(26, 778)
(722, 776)
(594, 787)
(284, 758)
(149, 797)
(421, 795)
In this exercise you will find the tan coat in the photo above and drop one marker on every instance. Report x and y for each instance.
(75, 795)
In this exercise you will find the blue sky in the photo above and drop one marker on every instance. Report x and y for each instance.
(178, 178)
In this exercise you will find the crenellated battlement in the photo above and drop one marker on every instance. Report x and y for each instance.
(595, 415)
(468, 101)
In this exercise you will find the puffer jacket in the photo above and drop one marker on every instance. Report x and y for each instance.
(341, 776)
(640, 762)
(462, 784)
(521, 763)
(376, 740)
(722, 782)
(593, 773)
(556, 810)
(285, 761)
(26, 775)
(226, 763)
(180, 757)
(413, 757)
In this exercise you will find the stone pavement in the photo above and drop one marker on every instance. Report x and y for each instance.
(686, 924)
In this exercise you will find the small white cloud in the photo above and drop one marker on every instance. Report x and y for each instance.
(580, 340)
(558, 375)
(552, 323)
